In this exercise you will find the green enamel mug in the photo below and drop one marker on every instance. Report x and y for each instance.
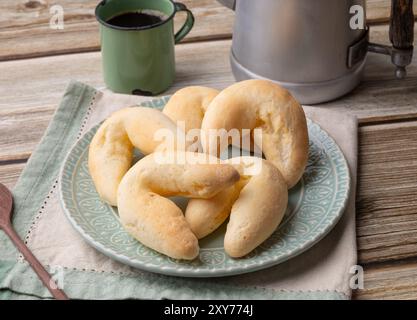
(140, 60)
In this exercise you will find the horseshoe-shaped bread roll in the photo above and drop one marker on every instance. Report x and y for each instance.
(204, 216)
(111, 150)
(261, 104)
(257, 202)
(189, 105)
(156, 221)
(257, 211)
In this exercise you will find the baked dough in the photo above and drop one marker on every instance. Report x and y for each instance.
(257, 202)
(258, 210)
(189, 105)
(155, 220)
(261, 104)
(111, 150)
(204, 216)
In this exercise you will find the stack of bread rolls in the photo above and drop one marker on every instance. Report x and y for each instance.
(255, 203)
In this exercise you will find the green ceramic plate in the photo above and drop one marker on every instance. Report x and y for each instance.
(315, 206)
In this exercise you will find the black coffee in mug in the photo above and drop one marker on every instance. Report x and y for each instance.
(140, 19)
(141, 59)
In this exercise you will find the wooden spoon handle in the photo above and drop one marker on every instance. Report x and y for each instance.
(35, 264)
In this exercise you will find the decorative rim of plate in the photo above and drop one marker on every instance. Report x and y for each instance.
(336, 212)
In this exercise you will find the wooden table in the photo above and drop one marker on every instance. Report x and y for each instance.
(36, 64)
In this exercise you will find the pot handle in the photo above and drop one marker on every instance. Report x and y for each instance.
(401, 35)
(401, 32)
(231, 4)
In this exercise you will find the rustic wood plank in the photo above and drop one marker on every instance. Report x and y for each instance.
(386, 197)
(387, 192)
(9, 173)
(28, 92)
(397, 280)
(28, 97)
(28, 82)
(25, 31)
(18, 138)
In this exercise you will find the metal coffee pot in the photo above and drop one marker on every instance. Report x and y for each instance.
(316, 49)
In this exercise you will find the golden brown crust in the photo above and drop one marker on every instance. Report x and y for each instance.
(189, 105)
(262, 104)
(156, 221)
(254, 215)
(204, 216)
(111, 150)
(140, 191)
(258, 210)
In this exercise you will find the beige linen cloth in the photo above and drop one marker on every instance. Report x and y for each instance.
(325, 268)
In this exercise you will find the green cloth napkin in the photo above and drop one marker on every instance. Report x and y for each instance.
(38, 183)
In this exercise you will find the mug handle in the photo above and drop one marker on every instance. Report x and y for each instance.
(189, 22)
